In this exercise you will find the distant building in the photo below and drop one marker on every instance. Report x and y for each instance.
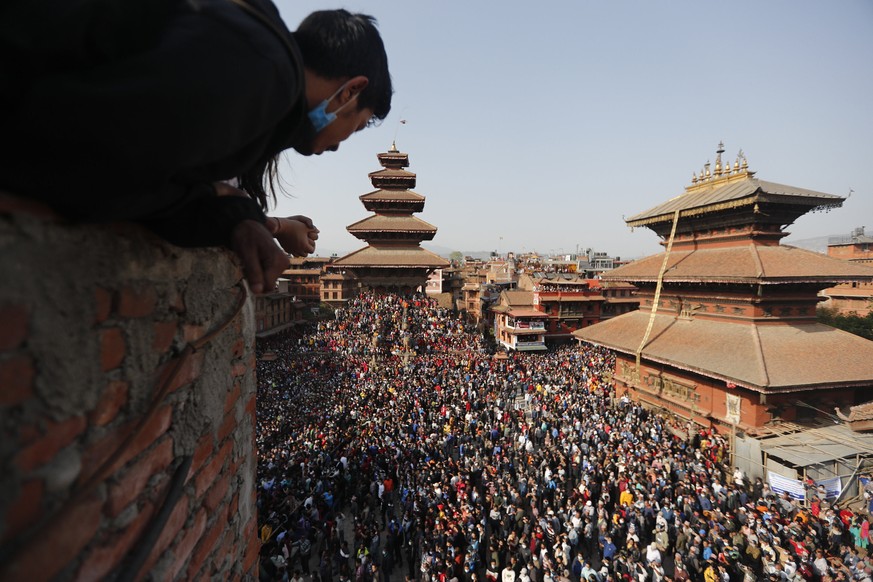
(277, 311)
(727, 333)
(857, 247)
(854, 297)
(337, 288)
(518, 325)
(565, 302)
(303, 276)
(501, 272)
(434, 284)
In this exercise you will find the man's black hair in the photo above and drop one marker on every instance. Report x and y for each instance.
(334, 44)
(337, 43)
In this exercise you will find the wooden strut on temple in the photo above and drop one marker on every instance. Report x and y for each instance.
(658, 290)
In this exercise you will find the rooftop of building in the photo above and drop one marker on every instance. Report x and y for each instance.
(727, 187)
(392, 223)
(391, 196)
(392, 257)
(764, 358)
(749, 263)
(858, 237)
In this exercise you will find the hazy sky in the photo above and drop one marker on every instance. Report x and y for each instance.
(538, 126)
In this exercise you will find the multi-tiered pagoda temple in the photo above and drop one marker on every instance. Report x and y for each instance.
(726, 332)
(393, 258)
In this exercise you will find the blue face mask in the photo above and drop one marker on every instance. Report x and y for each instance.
(319, 116)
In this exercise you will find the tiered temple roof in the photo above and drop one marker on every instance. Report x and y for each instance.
(735, 305)
(393, 256)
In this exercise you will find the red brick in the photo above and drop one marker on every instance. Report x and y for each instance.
(99, 451)
(217, 493)
(239, 348)
(57, 436)
(234, 504)
(251, 555)
(102, 304)
(177, 302)
(232, 397)
(134, 480)
(112, 348)
(239, 369)
(174, 525)
(227, 426)
(13, 332)
(202, 452)
(182, 550)
(192, 332)
(251, 528)
(104, 558)
(111, 401)
(207, 545)
(24, 509)
(223, 554)
(137, 302)
(165, 333)
(251, 406)
(206, 477)
(56, 546)
(188, 372)
(16, 379)
(27, 433)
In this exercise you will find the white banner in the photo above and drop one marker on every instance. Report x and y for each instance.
(833, 487)
(781, 484)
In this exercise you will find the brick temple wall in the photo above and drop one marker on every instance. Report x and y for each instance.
(93, 322)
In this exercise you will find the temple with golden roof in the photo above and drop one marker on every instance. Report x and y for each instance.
(726, 333)
(393, 259)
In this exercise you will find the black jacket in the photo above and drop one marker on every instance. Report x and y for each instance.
(130, 109)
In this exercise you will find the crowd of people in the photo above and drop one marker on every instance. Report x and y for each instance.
(394, 445)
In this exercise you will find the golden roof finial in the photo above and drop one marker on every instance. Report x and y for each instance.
(718, 154)
(393, 149)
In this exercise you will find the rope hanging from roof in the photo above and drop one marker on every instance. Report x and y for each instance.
(658, 289)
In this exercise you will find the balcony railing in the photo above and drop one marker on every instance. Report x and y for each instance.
(525, 325)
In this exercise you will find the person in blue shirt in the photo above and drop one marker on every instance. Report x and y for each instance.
(707, 550)
(609, 548)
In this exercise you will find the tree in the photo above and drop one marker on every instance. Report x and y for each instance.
(457, 257)
(852, 322)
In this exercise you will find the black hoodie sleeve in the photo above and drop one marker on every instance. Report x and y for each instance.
(140, 132)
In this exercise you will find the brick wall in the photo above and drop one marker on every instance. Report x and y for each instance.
(94, 321)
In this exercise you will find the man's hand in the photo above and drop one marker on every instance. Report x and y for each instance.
(296, 234)
(262, 260)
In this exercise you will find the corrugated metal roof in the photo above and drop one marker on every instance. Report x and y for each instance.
(751, 189)
(819, 445)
